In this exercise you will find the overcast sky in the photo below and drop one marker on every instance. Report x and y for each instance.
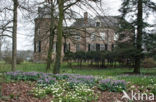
(25, 42)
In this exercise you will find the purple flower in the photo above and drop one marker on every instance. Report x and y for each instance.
(106, 81)
(117, 82)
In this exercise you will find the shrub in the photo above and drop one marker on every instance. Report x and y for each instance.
(149, 63)
(19, 60)
(8, 60)
(100, 56)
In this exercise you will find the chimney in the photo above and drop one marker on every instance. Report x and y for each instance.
(85, 18)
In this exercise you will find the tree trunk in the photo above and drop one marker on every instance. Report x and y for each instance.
(59, 38)
(139, 37)
(51, 38)
(14, 35)
(1, 48)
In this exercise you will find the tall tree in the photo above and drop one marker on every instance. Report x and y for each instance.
(14, 35)
(62, 10)
(139, 36)
(59, 37)
(136, 8)
(51, 37)
(1, 47)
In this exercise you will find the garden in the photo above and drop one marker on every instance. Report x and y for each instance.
(32, 84)
(80, 51)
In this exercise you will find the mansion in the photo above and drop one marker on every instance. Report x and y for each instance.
(85, 34)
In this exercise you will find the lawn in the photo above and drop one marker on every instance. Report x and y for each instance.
(113, 73)
(146, 82)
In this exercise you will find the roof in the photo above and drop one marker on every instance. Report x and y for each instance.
(106, 21)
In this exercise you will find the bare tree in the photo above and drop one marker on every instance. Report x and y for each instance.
(51, 37)
(62, 8)
(59, 38)
(14, 35)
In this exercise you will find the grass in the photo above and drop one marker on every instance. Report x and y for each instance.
(115, 73)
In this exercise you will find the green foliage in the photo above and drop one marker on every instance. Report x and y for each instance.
(149, 63)
(150, 44)
(20, 76)
(117, 55)
(134, 10)
(8, 59)
(140, 80)
(154, 91)
(111, 85)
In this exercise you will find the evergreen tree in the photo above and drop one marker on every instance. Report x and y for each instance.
(150, 43)
(134, 10)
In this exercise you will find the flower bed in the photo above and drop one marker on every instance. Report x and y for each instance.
(67, 87)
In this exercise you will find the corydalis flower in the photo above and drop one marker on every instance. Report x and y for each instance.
(117, 82)
(106, 81)
(112, 82)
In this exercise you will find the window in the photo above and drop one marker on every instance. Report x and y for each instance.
(77, 37)
(97, 47)
(102, 35)
(102, 47)
(38, 46)
(97, 24)
(93, 37)
(77, 47)
(88, 47)
(92, 47)
(66, 47)
(112, 46)
(106, 47)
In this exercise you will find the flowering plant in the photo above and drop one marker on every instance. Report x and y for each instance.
(72, 79)
(62, 93)
(112, 85)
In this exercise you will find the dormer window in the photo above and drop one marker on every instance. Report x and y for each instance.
(97, 24)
